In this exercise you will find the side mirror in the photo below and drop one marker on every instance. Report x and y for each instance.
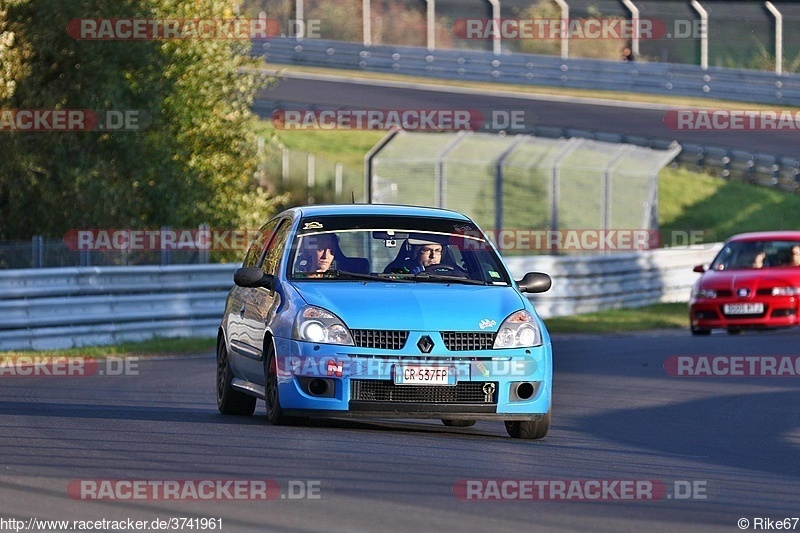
(252, 277)
(535, 282)
(699, 269)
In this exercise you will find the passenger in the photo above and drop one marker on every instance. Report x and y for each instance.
(318, 255)
(760, 259)
(795, 259)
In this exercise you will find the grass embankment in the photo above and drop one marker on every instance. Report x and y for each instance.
(656, 316)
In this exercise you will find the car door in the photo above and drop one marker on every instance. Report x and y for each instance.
(235, 309)
(259, 302)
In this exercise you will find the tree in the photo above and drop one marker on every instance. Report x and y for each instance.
(192, 161)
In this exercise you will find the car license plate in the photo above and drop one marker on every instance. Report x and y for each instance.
(743, 309)
(424, 375)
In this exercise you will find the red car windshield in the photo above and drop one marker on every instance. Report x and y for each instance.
(757, 254)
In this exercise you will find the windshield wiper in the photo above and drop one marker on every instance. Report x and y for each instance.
(358, 275)
(427, 276)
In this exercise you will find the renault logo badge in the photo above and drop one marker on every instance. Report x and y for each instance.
(425, 344)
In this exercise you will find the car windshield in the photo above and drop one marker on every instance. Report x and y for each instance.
(757, 254)
(394, 248)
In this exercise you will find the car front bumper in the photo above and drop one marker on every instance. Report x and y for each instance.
(345, 381)
(779, 312)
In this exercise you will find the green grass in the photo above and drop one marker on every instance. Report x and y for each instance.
(656, 316)
(159, 346)
(344, 146)
(690, 201)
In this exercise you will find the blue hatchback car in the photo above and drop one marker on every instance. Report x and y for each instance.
(383, 311)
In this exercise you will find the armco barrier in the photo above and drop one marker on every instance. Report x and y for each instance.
(583, 285)
(72, 307)
(528, 69)
(69, 307)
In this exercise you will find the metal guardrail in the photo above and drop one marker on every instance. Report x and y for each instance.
(527, 69)
(73, 307)
(614, 281)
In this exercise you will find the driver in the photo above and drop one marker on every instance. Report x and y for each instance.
(426, 255)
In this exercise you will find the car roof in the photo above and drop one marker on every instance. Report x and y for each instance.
(767, 236)
(375, 209)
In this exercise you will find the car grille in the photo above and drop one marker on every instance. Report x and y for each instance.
(379, 338)
(467, 340)
(387, 391)
(751, 315)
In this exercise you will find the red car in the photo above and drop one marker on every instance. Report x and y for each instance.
(753, 283)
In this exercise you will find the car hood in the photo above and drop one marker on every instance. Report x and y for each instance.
(414, 306)
(750, 279)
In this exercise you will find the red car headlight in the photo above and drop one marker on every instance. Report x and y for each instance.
(706, 293)
(785, 291)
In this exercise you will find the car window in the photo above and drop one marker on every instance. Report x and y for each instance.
(254, 253)
(414, 248)
(738, 255)
(272, 256)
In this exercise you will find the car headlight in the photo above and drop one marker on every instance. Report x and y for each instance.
(706, 293)
(519, 330)
(315, 324)
(786, 291)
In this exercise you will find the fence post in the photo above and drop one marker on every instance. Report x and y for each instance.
(337, 181)
(498, 188)
(311, 177)
(284, 165)
(369, 159)
(439, 177)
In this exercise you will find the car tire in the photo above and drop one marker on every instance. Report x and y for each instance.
(229, 400)
(735, 331)
(529, 429)
(700, 331)
(458, 423)
(272, 397)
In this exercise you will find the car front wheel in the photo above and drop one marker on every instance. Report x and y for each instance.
(271, 397)
(529, 429)
(229, 400)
